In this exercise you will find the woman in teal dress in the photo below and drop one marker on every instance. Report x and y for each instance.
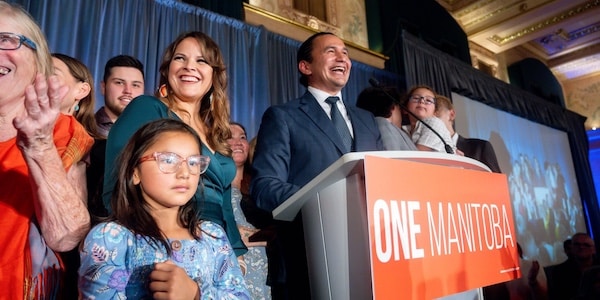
(193, 86)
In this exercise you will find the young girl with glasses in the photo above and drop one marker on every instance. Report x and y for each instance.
(153, 245)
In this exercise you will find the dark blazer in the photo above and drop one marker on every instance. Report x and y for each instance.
(480, 150)
(295, 142)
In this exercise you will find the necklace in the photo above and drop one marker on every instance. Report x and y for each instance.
(176, 245)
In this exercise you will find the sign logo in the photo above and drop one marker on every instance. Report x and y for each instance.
(437, 230)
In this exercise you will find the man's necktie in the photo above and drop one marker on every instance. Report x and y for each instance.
(340, 123)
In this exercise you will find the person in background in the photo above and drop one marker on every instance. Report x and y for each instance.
(297, 140)
(256, 257)
(483, 151)
(478, 149)
(532, 284)
(252, 145)
(421, 102)
(193, 88)
(261, 219)
(42, 175)
(153, 245)
(568, 248)
(384, 104)
(123, 80)
(566, 276)
(590, 284)
(79, 102)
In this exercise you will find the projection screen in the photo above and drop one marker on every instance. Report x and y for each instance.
(538, 163)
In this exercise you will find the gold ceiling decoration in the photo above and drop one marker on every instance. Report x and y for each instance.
(491, 14)
(571, 13)
(471, 8)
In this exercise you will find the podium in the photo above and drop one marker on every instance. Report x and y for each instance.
(334, 212)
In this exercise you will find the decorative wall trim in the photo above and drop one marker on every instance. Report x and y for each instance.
(480, 54)
(300, 31)
(310, 21)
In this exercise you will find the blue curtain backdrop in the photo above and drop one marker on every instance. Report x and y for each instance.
(261, 65)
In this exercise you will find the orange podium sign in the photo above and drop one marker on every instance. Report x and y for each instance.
(437, 230)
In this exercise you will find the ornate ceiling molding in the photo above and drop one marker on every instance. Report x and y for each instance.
(576, 55)
(477, 5)
(561, 40)
(567, 14)
(489, 15)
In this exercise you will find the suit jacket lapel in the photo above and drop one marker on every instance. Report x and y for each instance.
(313, 111)
(357, 122)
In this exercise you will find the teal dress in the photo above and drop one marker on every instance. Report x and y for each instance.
(213, 199)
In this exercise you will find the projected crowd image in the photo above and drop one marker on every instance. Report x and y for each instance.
(544, 216)
(538, 164)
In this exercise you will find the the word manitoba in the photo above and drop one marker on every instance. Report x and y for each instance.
(415, 229)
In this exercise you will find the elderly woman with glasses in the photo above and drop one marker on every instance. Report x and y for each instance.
(42, 178)
(420, 102)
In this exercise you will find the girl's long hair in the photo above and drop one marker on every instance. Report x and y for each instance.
(129, 208)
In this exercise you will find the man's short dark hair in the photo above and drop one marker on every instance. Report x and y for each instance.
(305, 53)
(375, 100)
(567, 243)
(122, 61)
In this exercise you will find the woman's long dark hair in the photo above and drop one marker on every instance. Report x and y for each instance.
(214, 107)
(129, 208)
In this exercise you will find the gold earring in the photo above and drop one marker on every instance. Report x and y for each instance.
(163, 90)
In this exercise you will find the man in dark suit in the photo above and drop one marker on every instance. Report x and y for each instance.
(477, 149)
(298, 140)
(568, 277)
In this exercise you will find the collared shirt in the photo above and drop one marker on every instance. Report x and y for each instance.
(321, 96)
(421, 135)
(103, 121)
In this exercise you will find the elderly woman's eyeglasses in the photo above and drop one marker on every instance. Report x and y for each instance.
(169, 162)
(422, 99)
(13, 41)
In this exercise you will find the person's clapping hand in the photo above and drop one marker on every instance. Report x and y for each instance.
(35, 125)
(169, 281)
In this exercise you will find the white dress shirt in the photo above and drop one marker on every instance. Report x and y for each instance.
(321, 96)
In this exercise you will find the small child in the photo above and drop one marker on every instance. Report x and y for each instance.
(153, 245)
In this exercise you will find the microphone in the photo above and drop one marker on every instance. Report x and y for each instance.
(375, 83)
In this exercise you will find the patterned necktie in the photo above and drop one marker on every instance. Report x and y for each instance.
(340, 123)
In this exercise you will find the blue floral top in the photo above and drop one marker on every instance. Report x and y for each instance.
(116, 264)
